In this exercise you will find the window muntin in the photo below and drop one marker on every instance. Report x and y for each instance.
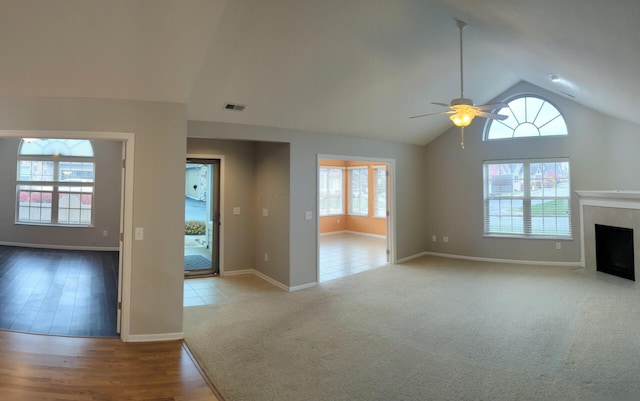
(380, 199)
(331, 191)
(359, 191)
(55, 182)
(528, 116)
(528, 198)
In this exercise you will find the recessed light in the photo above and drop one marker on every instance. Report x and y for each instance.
(554, 78)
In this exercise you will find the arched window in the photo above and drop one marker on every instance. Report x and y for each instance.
(55, 182)
(528, 116)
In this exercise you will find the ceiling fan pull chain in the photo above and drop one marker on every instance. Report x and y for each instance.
(462, 137)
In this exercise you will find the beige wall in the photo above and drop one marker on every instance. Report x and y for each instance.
(304, 150)
(602, 153)
(158, 199)
(108, 155)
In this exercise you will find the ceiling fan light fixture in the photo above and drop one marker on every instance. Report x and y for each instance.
(463, 116)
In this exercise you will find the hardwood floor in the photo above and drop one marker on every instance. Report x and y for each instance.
(48, 368)
(50, 291)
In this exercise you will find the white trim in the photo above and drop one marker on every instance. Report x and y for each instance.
(271, 281)
(236, 272)
(126, 207)
(141, 338)
(333, 233)
(63, 247)
(408, 258)
(303, 286)
(511, 261)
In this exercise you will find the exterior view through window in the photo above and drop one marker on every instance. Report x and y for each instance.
(529, 198)
(528, 116)
(330, 191)
(55, 182)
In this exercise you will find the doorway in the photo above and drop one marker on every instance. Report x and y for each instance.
(202, 217)
(355, 219)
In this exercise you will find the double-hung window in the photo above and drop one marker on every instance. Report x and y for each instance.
(331, 191)
(527, 198)
(55, 182)
(359, 191)
(380, 200)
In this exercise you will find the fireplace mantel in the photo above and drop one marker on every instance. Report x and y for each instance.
(615, 208)
(614, 198)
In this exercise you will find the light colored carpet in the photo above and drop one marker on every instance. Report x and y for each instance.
(430, 329)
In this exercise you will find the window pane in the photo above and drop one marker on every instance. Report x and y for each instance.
(35, 170)
(527, 116)
(76, 171)
(359, 191)
(330, 191)
(380, 200)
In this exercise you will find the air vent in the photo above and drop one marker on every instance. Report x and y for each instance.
(235, 107)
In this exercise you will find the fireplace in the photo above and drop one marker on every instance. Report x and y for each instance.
(614, 251)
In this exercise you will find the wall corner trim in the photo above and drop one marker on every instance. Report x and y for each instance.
(139, 338)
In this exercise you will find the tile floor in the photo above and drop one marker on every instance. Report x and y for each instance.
(345, 254)
(341, 255)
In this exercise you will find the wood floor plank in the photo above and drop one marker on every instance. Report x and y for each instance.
(59, 292)
(37, 367)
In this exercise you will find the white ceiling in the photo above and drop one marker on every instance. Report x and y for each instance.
(357, 67)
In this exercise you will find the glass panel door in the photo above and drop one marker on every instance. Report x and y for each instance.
(202, 217)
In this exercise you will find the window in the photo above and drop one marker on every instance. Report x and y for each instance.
(331, 191)
(527, 116)
(55, 182)
(380, 200)
(359, 191)
(529, 198)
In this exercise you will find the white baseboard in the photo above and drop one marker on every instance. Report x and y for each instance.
(408, 258)
(270, 280)
(139, 338)
(236, 272)
(333, 233)
(510, 261)
(303, 286)
(62, 247)
(354, 233)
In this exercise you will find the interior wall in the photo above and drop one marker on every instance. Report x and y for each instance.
(454, 176)
(272, 210)
(155, 306)
(304, 149)
(108, 169)
(238, 248)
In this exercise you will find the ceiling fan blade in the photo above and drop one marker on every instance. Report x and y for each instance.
(492, 115)
(441, 104)
(491, 106)
(433, 114)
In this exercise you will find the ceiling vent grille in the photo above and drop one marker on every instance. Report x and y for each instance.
(234, 107)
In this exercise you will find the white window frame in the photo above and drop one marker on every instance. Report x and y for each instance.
(328, 211)
(526, 190)
(377, 211)
(529, 116)
(55, 187)
(363, 187)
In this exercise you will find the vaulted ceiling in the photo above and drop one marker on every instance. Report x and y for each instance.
(355, 67)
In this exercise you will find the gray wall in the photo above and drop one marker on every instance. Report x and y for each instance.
(602, 152)
(239, 230)
(304, 149)
(108, 156)
(158, 195)
(272, 194)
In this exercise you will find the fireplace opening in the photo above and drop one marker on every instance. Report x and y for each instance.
(614, 251)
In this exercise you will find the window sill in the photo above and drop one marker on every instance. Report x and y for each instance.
(535, 237)
(24, 223)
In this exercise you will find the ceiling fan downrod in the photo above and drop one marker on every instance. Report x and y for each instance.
(461, 25)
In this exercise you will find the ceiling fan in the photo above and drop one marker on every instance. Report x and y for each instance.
(462, 110)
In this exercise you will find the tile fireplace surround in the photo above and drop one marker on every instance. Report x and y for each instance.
(611, 208)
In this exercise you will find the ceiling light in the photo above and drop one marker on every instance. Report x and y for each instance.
(463, 116)
(554, 78)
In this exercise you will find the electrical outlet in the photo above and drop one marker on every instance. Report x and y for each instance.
(558, 245)
(445, 239)
(266, 257)
(434, 238)
(265, 212)
(139, 233)
(105, 233)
